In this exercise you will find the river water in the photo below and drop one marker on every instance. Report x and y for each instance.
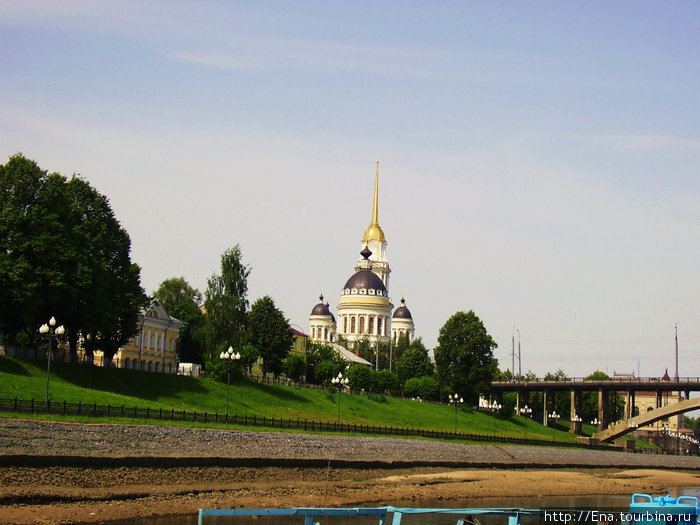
(594, 503)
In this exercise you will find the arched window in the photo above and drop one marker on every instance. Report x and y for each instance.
(371, 325)
(325, 334)
(362, 325)
(379, 326)
(352, 325)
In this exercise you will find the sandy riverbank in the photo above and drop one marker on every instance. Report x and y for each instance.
(63, 473)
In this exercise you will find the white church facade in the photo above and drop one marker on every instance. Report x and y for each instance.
(365, 310)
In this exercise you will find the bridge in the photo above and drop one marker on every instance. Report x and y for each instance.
(624, 426)
(576, 386)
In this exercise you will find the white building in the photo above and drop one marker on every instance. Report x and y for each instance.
(365, 307)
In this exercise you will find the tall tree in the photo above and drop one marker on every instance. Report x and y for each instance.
(182, 301)
(226, 304)
(464, 357)
(268, 331)
(63, 253)
(322, 363)
(414, 362)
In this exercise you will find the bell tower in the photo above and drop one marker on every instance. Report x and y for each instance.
(375, 240)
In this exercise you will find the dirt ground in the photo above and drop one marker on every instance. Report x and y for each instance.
(70, 473)
(60, 495)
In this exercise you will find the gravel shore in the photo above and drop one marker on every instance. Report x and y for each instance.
(98, 442)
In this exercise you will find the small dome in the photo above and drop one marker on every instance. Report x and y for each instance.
(321, 308)
(402, 312)
(365, 279)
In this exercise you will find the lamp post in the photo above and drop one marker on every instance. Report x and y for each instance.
(595, 422)
(576, 420)
(51, 334)
(229, 356)
(554, 416)
(339, 381)
(525, 411)
(456, 401)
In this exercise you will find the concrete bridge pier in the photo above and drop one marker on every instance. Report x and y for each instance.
(575, 427)
(603, 409)
(629, 409)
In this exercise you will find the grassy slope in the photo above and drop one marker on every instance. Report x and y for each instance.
(26, 379)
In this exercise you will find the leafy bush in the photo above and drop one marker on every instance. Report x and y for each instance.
(386, 381)
(361, 378)
(425, 387)
(294, 367)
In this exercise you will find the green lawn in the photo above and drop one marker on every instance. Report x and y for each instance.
(26, 379)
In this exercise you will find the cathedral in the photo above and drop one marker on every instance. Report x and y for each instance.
(365, 308)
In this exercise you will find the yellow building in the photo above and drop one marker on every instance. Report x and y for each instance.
(299, 339)
(155, 346)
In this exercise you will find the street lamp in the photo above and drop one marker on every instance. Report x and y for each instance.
(51, 334)
(339, 381)
(456, 401)
(576, 420)
(554, 416)
(595, 422)
(526, 411)
(229, 356)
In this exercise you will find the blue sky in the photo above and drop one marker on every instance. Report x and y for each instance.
(539, 160)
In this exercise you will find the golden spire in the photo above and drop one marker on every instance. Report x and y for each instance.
(374, 231)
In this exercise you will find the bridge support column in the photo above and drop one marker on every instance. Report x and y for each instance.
(517, 402)
(603, 411)
(631, 402)
(575, 427)
(545, 416)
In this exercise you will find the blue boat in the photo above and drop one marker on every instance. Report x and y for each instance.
(643, 510)
(648, 510)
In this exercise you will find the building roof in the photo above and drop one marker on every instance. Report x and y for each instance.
(296, 332)
(402, 312)
(365, 279)
(350, 356)
(321, 308)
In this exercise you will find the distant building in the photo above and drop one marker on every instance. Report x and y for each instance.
(365, 308)
(646, 401)
(299, 339)
(155, 346)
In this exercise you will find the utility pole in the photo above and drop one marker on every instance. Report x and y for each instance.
(520, 368)
(676, 378)
(512, 354)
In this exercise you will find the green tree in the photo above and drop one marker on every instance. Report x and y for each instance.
(360, 377)
(402, 344)
(268, 331)
(63, 253)
(464, 357)
(322, 363)
(560, 402)
(589, 400)
(249, 355)
(182, 301)
(294, 367)
(414, 362)
(226, 305)
(423, 387)
(386, 381)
